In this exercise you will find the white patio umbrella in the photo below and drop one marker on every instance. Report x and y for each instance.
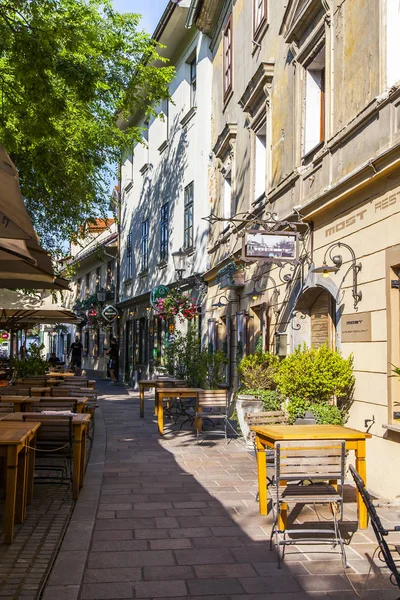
(18, 310)
(14, 219)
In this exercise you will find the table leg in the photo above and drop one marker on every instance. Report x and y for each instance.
(155, 402)
(160, 412)
(20, 505)
(76, 475)
(11, 494)
(83, 457)
(262, 477)
(31, 467)
(141, 396)
(361, 467)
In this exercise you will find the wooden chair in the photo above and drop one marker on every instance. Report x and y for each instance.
(381, 533)
(54, 447)
(271, 417)
(6, 407)
(311, 461)
(59, 405)
(216, 401)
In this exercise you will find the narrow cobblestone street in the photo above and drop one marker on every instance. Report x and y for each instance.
(177, 519)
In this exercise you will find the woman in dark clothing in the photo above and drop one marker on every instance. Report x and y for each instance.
(112, 352)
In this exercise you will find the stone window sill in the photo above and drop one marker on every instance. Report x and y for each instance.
(189, 116)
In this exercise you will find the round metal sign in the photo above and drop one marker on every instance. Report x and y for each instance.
(110, 313)
(4, 335)
(92, 312)
(160, 291)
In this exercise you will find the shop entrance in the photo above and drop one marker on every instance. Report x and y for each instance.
(314, 320)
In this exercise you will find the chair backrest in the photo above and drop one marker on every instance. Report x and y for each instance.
(53, 431)
(6, 407)
(58, 391)
(310, 459)
(271, 417)
(379, 530)
(57, 405)
(213, 398)
(29, 381)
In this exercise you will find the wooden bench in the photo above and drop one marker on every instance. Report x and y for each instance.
(271, 417)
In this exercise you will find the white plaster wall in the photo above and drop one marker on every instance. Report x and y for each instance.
(184, 160)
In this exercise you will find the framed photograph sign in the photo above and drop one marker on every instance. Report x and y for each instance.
(282, 246)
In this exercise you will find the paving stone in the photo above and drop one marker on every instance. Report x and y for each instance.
(160, 589)
(215, 586)
(168, 573)
(106, 591)
(130, 559)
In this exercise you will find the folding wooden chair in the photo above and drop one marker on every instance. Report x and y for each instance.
(213, 407)
(314, 461)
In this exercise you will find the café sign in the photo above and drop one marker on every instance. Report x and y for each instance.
(356, 327)
(110, 313)
(274, 247)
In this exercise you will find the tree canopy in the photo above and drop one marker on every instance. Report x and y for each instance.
(67, 68)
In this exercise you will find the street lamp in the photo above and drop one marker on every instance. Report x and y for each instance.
(101, 295)
(180, 262)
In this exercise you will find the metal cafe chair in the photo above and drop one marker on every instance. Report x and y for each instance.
(381, 533)
(314, 461)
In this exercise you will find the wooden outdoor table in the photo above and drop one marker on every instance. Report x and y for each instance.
(40, 391)
(152, 383)
(55, 374)
(267, 435)
(80, 402)
(173, 392)
(21, 403)
(79, 424)
(17, 443)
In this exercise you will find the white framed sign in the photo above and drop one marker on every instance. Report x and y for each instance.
(271, 246)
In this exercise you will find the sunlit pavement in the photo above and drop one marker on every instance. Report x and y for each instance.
(171, 518)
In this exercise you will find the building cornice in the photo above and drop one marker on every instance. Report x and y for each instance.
(258, 88)
(225, 140)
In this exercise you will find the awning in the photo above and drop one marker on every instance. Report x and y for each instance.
(18, 310)
(14, 219)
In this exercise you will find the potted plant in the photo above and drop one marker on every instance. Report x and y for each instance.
(32, 365)
(316, 380)
(257, 390)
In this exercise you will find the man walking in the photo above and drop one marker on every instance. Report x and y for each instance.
(75, 351)
(112, 353)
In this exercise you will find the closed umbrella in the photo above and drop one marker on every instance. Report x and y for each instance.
(14, 219)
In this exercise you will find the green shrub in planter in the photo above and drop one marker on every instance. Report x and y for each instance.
(325, 414)
(317, 375)
(33, 365)
(257, 371)
(271, 399)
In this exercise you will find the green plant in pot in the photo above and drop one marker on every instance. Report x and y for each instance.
(32, 365)
(319, 380)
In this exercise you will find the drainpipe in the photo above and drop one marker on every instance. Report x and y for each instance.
(192, 13)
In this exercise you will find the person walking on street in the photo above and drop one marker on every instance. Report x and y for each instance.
(75, 352)
(112, 352)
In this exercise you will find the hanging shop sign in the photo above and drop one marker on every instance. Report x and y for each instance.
(4, 335)
(271, 246)
(158, 292)
(92, 312)
(356, 327)
(110, 313)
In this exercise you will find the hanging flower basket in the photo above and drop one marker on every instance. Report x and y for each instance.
(231, 276)
(176, 304)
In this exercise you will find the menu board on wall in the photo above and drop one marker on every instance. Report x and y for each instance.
(356, 327)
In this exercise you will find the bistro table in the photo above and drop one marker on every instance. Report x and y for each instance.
(267, 435)
(21, 403)
(17, 446)
(174, 392)
(80, 423)
(151, 383)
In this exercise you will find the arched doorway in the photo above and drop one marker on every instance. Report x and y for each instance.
(314, 319)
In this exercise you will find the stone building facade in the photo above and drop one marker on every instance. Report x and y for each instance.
(94, 262)
(306, 129)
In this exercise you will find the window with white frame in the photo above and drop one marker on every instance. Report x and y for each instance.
(314, 127)
(188, 216)
(259, 16)
(260, 160)
(228, 58)
(145, 245)
(129, 256)
(392, 42)
(164, 232)
(193, 82)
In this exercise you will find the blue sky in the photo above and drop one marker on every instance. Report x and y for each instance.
(151, 10)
